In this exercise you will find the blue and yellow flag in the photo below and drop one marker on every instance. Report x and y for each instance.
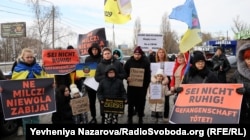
(117, 11)
(187, 13)
(86, 69)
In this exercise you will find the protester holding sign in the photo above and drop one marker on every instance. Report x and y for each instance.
(161, 57)
(178, 74)
(27, 68)
(199, 72)
(111, 88)
(108, 60)
(68, 78)
(242, 75)
(82, 117)
(138, 69)
(157, 91)
(94, 56)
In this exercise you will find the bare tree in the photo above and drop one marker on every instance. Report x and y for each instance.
(205, 37)
(137, 29)
(169, 37)
(239, 25)
(43, 26)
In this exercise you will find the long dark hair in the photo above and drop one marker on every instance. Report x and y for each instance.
(60, 94)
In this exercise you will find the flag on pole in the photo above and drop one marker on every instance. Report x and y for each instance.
(117, 11)
(187, 13)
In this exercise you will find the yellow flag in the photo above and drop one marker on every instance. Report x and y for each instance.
(113, 14)
(190, 39)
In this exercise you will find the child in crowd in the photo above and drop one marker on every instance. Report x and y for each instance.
(110, 88)
(63, 114)
(75, 93)
(157, 104)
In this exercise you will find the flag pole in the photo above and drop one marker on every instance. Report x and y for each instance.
(113, 36)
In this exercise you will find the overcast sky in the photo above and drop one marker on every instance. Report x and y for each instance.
(82, 16)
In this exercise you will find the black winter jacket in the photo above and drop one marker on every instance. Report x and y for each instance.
(111, 88)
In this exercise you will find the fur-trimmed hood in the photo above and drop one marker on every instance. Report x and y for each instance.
(164, 81)
(241, 65)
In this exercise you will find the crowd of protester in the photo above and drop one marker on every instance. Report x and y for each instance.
(111, 72)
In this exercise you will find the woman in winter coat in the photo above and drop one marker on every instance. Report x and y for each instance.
(178, 74)
(242, 75)
(199, 72)
(221, 65)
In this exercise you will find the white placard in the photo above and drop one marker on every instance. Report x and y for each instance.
(150, 41)
(91, 82)
(166, 66)
(155, 91)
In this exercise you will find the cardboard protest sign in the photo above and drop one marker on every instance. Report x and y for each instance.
(79, 105)
(207, 103)
(138, 75)
(94, 36)
(60, 62)
(114, 106)
(86, 69)
(155, 93)
(25, 98)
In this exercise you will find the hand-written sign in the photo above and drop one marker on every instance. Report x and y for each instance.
(137, 76)
(79, 105)
(114, 106)
(207, 103)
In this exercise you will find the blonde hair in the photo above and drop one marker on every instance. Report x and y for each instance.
(157, 59)
(180, 54)
(25, 50)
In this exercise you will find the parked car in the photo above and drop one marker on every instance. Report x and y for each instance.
(125, 58)
(7, 127)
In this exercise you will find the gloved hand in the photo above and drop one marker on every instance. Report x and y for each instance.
(241, 90)
(179, 89)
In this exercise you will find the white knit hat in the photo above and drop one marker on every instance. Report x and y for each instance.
(73, 90)
(159, 72)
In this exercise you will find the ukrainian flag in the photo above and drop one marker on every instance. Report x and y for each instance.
(86, 69)
(187, 13)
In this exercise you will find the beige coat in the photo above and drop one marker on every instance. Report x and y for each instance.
(158, 105)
